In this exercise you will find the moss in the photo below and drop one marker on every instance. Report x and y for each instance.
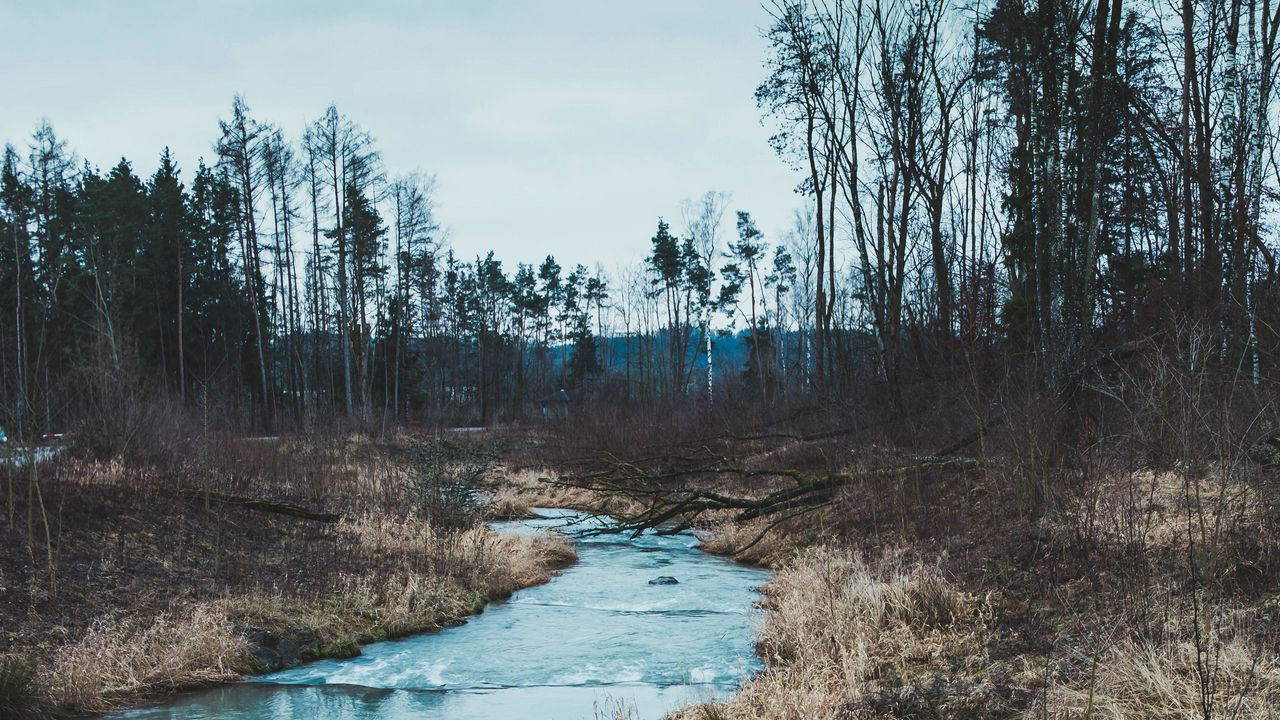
(342, 648)
(254, 666)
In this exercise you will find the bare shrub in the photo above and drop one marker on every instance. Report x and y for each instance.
(1184, 515)
(446, 486)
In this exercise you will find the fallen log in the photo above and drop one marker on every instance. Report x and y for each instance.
(278, 508)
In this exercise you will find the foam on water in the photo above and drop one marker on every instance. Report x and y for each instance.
(598, 634)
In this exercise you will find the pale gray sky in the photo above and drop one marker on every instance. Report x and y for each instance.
(554, 126)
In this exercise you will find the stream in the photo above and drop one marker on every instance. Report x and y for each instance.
(597, 637)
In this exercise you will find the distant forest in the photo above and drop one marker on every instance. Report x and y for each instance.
(1024, 184)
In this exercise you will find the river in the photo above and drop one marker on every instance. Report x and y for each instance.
(597, 637)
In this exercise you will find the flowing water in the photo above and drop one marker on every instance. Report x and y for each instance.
(597, 637)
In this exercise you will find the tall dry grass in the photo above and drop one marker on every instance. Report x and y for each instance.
(507, 503)
(491, 563)
(1194, 637)
(753, 542)
(126, 658)
(1166, 681)
(838, 628)
(519, 490)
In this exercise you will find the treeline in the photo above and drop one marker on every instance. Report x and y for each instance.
(262, 287)
(1017, 181)
(289, 281)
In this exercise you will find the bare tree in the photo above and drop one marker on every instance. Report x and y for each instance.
(702, 222)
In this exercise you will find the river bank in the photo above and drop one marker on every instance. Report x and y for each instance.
(138, 580)
(976, 589)
(646, 624)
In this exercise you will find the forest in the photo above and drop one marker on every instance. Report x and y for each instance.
(1033, 183)
(1009, 377)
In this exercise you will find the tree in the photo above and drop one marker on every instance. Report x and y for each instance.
(163, 257)
(417, 240)
(673, 268)
(596, 292)
(239, 150)
(366, 241)
(222, 319)
(746, 254)
(340, 155)
(703, 222)
(584, 358)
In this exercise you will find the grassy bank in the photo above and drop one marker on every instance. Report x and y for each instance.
(159, 577)
(1144, 601)
(1023, 622)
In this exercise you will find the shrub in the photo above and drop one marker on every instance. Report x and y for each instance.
(20, 693)
(446, 488)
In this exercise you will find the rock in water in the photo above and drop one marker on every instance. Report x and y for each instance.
(664, 580)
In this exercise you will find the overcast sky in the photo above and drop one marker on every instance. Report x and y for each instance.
(554, 126)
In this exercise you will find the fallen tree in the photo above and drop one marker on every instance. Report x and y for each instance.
(676, 489)
(278, 508)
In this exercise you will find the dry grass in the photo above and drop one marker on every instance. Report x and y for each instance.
(527, 561)
(839, 630)
(1161, 683)
(91, 471)
(490, 563)
(530, 488)
(425, 579)
(845, 637)
(1150, 517)
(124, 659)
(614, 709)
(1171, 680)
(744, 542)
(507, 503)
(156, 589)
(361, 609)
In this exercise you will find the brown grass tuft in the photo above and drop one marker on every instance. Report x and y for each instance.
(839, 629)
(539, 488)
(731, 538)
(506, 503)
(117, 661)
(488, 562)
(1164, 681)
